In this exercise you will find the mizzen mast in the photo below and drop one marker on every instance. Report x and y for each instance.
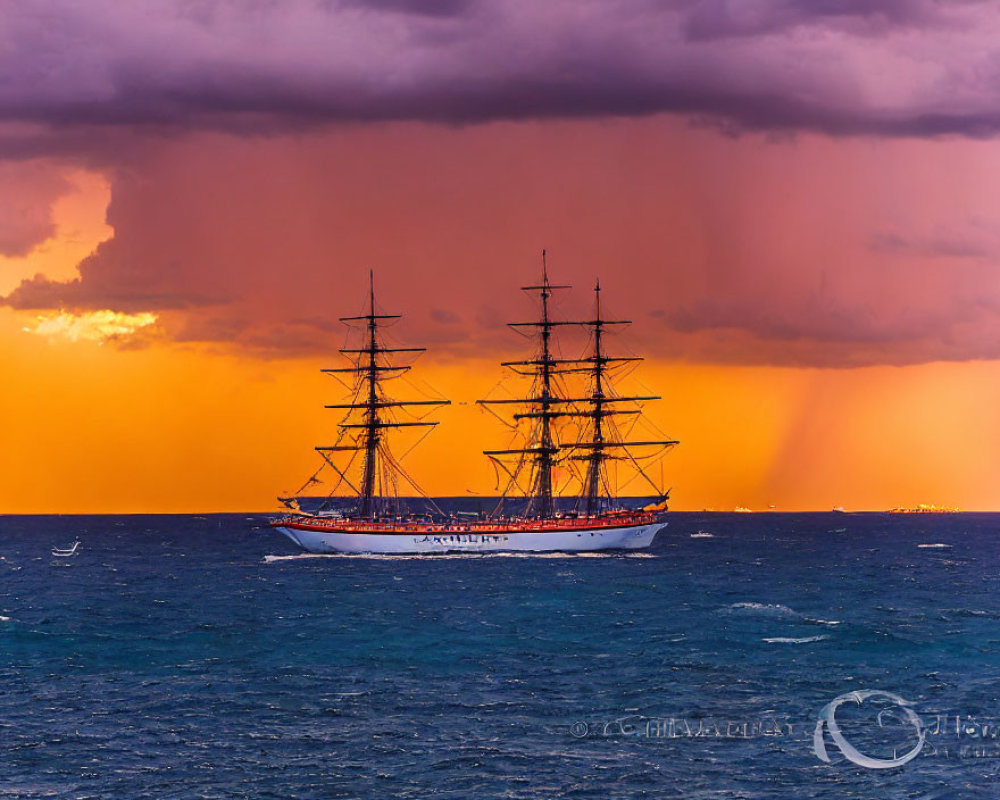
(597, 455)
(545, 402)
(604, 435)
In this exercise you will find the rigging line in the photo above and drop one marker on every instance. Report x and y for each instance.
(627, 483)
(426, 391)
(330, 494)
(347, 387)
(390, 492)
(427, 412)
(399, 469)
(379, 498)
(494, 388)
(642, 472)
(560, 489)
(357, 393)
(602, 476)
(654, 426)
(496, 475)
(515, 438)
(503, 495)
(632, 427)
(343, 477)
(511, 425)
(390, 479)
(310, 480)
(416, 444)
(659, 456)
(513, 473)
(643, 386)
(512, 483)
(348, 335)
(627, 369)
(435, 394)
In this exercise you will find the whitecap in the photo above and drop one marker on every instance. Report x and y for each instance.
(779, 610)
(935, 546)
(795, 640)
(768, 609)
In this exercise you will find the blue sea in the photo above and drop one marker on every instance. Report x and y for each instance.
(201, 657)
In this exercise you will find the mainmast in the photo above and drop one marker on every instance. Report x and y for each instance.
(544, 403)
(380, 471)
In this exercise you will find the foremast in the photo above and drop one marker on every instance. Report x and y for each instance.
(369, 416)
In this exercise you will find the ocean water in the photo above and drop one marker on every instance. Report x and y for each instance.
(199, 657)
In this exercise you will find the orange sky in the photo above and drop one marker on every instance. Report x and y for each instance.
(805, 257)
(171, 428)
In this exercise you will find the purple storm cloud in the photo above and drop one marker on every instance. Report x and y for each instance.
(897, 67)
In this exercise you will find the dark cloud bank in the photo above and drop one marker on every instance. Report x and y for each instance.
(897, 67)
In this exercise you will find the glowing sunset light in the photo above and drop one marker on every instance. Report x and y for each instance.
(93, 326)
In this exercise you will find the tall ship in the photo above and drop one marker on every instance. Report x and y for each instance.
(572, 438)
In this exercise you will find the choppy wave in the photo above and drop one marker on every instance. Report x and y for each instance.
(970, 613)
(316, 678)
(778, 610)
(768, 609)
(795, 639)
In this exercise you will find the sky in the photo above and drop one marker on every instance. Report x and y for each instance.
(795, 202)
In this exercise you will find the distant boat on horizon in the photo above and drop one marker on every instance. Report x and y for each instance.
(379, 522)
(66, 552)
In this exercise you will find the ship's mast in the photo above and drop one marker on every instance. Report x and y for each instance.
(379, 470)
(602, 440)
(544, 403)
(541, 503)
(601, 407)
(373, 432)
(592, 483)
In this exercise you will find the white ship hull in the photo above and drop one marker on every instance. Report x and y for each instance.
(566, 541)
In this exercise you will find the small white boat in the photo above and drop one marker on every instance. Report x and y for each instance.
(66, 552)
(702, 535)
